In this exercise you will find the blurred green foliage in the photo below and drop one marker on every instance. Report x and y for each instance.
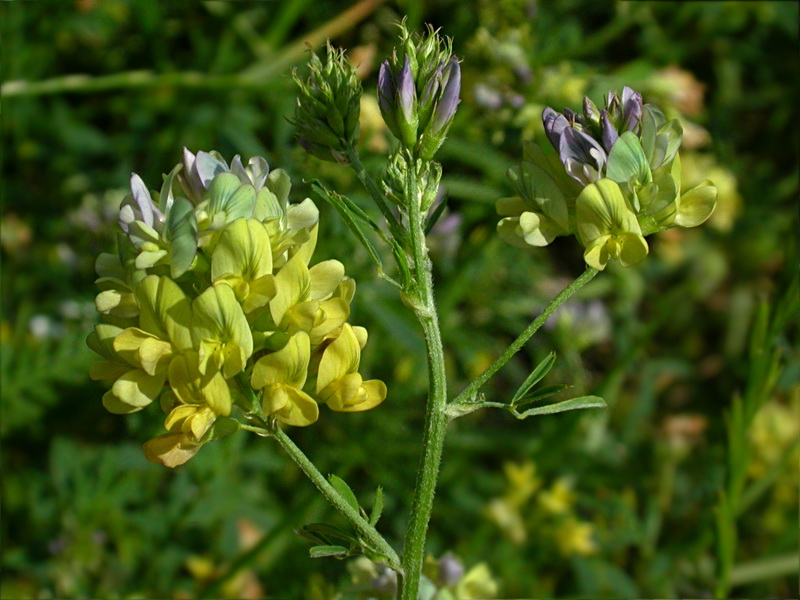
(620, 504)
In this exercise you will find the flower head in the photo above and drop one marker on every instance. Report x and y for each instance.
(612, 176)
(211, 289)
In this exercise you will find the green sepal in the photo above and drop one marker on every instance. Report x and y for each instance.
(166, 197)
(222, 427)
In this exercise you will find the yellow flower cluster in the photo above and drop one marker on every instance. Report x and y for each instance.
(211, 292)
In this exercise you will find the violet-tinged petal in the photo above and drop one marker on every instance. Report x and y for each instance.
(143, 200)
(631, 108)
(406, 92)
(258, 171)
(449, 101)
(190, 175)
(609, 132)
(385, 89)
(578, 146)
(208, 167)
(238, 169)
(554, 125)
(590, 112)
(432, 87)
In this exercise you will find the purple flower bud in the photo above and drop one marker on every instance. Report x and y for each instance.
(631, 108)
(590, 112)
(554, 124)
(386, 90)
(613, 106)
(449, 101)
(406, 92)
(609, 132)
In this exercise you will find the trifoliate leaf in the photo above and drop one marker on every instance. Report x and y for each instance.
(539, 373)
(573, 404)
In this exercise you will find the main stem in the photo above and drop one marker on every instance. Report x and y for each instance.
(435, 415)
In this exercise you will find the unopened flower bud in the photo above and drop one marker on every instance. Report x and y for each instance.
(328, 106)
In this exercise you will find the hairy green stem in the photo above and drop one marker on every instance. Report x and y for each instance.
(470, 392)
(435, 415)
(367, 531)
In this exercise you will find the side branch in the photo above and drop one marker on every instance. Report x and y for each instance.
(470, 392)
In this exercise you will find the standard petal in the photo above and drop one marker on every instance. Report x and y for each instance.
(289, 365)
(339, 359)
(696, 205)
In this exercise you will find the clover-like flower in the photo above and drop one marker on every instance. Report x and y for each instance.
(611, 176)
(212, 288)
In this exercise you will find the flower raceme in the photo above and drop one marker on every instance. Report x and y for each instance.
(211, 289)
(610, 176)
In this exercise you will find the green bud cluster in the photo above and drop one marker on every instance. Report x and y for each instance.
(328, 106)
(210, 302)
(418, 91)
(611, 189)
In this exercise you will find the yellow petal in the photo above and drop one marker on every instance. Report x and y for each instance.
(177, 416)
(300, 411)
(170, 450)
(336, 311)
(292, 286)
(165, 310)
(289, 365)
(325, 278)
(243, 249)
(339, 359)
(597, 255)
(343, 392)
(106, 370)
(138, 389)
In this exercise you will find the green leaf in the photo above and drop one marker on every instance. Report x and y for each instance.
(344, 491)
(348, 215)
(327, 535)
(437, 213)
(573, 404)
(542, 369)
(377, 507)
(325, 551)
(181, 232)
(541, 393)
(627, 161)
